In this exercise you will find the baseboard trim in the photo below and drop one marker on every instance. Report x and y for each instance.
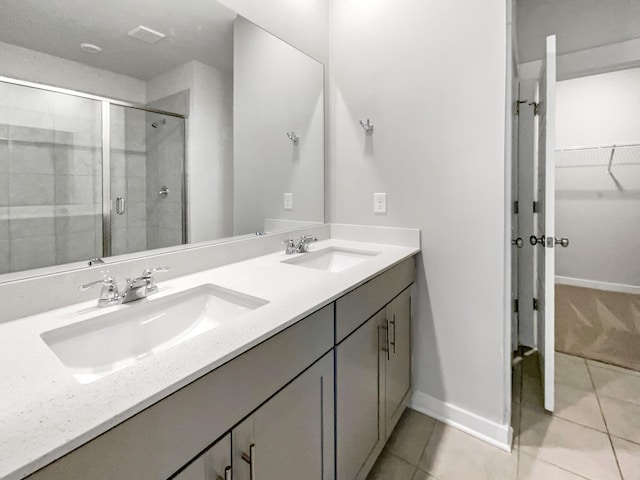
(500, 436)
(597, 285)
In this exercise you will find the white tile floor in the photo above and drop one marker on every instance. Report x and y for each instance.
(594, 433)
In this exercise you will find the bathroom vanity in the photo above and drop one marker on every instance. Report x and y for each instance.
(307, 385)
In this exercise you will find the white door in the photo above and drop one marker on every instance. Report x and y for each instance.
(545, 221)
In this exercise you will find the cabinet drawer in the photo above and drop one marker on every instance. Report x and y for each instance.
(356, 307)
(158, 441)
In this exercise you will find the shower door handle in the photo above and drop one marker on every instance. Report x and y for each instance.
(121, 205)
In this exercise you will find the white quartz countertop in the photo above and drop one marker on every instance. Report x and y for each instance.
(45, 413)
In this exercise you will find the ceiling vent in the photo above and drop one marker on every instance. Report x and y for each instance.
(146, 34)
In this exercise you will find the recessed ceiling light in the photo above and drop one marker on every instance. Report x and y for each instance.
(90, 48)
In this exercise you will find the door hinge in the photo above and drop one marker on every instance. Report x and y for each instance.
(515, 305)
(535, 207)
(518, 103)
(536, 108)
(535, 304)
(516, 207)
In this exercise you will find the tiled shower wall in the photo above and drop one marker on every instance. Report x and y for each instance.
(165, 166)
(50, 178)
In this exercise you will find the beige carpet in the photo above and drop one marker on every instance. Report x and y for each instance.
(598, 325)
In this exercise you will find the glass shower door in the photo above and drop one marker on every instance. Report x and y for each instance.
(146, 207)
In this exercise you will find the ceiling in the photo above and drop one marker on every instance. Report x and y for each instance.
(578, 24)
(199, 30)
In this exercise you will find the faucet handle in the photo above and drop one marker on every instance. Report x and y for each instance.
(109, 295)
(147, 275)
(150, 271)
(291, 246)
(106, 282)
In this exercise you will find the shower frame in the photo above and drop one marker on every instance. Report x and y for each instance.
(106, 104)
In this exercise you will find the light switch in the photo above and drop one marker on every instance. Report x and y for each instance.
(379, 203)
(288, 201)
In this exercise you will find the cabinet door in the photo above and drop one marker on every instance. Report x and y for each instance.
(214, 464)
(359, 375)
(291, 435)
(398, 365)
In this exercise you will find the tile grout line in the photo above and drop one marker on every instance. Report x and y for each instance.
(621, 400)
(415, 467)
(535, 409)
(613, 368)
(541, 460)
(624, 439)
(606, 425)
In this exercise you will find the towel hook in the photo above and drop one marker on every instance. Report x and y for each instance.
(293, 137)
(368, 126)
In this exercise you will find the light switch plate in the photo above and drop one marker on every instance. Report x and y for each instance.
(288, 201)
(379, 203)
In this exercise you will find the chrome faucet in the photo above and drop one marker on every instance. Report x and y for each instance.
(298, 246)
(136, 288)
(304, 241)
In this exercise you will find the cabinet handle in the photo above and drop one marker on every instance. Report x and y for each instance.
(393, 343)
(385, 327)
(250, 459)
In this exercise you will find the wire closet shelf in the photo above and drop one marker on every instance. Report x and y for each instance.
(606, 156)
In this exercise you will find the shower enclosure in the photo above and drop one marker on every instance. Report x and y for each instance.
(84, 177)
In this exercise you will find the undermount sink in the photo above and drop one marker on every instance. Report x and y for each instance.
(332, 259)
(97, 347)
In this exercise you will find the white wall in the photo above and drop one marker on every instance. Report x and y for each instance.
(599, 213)
(277, 89)
(599, 109)
(303, 24)
(592, 61)
(210, 145)
(32, 66)
(578, 24)
(431, 76)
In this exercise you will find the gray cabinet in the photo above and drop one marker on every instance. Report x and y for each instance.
(359, 401)
(398, 358)
(214, 464)
(290, 436)
(373, 375)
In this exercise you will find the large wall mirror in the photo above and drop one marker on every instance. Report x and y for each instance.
(132, 126)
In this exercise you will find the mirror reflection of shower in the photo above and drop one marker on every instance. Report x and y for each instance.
(76, 204)
(147, 150)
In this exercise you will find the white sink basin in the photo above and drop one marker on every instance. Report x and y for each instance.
(102, 345)
(332, 259)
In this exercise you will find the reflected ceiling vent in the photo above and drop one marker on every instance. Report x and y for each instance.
(146, 34)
